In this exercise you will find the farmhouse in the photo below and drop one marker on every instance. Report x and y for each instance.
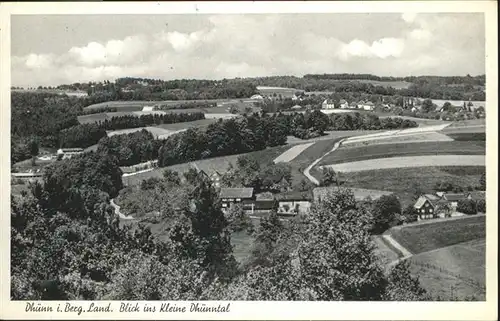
(368, 105)
(442, 204)
(353, 105)
(425, 207)
(292, 203)
(344, 104)
(66, 153)
(328, 104)
(230, 196)
(453, 199)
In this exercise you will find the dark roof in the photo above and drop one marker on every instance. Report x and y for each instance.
(478, 195)
(236, 193)
(264, 204)
(421, 201)
(72, 149)
(294, 196)
(455, 196)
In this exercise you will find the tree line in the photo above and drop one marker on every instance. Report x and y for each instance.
(225, 137)
(85, 135)
(131, 149)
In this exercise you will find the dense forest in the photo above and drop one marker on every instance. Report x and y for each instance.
(131, 149)
(67, 244)
(228, 137)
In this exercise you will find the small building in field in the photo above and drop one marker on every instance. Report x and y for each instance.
(236, 195)
(66, 153)
(293, 203)
(296, 107)
(328, 104)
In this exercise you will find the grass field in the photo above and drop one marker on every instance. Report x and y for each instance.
(455, 272)
(409, 161)
(420, 121)
(468, 136)
(466, 123)
(212, 164)
(186, 125)
(414, 138)
(394, 84)
(347, 154)
(421, 238)
(292, 153)
(405, 182)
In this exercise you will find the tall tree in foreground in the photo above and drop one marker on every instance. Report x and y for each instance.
(202, 233)
(33, 146)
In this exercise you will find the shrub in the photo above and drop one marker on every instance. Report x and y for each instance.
(481, 206)
(410, 214)
(467, 207)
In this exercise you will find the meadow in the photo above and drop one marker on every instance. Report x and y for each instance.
(209, 165)
(455, 272)
(347, 154)
(420, 238)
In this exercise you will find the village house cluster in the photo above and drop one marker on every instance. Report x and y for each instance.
(441, 204)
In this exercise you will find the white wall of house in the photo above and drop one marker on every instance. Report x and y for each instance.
(303, 206)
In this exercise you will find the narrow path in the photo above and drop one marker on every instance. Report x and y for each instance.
(308, 169)
(406, 254)
(139, 172)
(117, 211)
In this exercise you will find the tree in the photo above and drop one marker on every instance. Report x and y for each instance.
(336, 258)
(402, 286)
(427, 106)
(410, 214)
(482, 182)
(238, 220)
(329, 177)
(33, 147)
(266, 238)
(201, 233)
(443, 208)
(467, 206)
(171, 176)
(386, 211)
(481, 205)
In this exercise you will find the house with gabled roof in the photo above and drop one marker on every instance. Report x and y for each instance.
(343, 104)
(425, 207)
(328, 104)
(236, 195)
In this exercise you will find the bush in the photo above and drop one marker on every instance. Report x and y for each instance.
(410, 214)
(386, 212)
(467, 207)
(481, 206)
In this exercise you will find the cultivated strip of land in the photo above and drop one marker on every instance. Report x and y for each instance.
(292, 153)
(410, 161)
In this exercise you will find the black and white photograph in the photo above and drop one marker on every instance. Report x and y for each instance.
(217, 158)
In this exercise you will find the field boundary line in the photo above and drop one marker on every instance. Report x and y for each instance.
(308, 169)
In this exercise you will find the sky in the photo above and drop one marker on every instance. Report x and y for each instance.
(50, 50)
